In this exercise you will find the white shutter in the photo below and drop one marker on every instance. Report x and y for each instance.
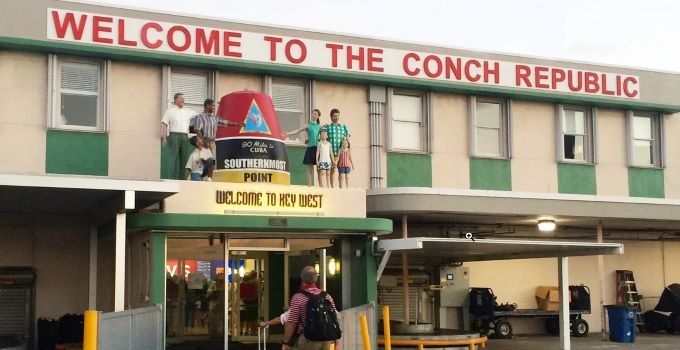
(194, 86)
(288, 96)
(394, 297)
(80, 77)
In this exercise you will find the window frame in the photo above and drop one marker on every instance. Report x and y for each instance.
(308, 85)
(505, 123)
(590, 128)
(658, 140)
(54, 97)
(211, 77)
(425, 123)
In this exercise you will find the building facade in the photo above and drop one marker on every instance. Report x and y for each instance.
(444, 141)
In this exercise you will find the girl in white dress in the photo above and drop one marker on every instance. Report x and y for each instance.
(324, 159)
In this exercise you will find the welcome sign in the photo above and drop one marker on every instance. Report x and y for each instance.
(224, 43)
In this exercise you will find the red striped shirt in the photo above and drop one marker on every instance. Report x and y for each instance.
(344, 158)
(298, 308)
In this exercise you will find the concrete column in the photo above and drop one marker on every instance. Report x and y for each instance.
(119, 269)
(565, 334)
(94, 247)
(600, 270)
(404, 275)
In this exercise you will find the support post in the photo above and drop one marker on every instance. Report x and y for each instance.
(322, 268)
(119, 269)
(404, 276)
(600, 270)
(565, 336)
(94, 247)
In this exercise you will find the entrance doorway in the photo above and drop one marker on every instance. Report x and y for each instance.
(257, 277)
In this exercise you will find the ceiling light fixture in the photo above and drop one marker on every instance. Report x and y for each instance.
(546, 225)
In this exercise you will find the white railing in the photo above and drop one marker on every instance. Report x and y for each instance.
(351, 330)
(131, 329)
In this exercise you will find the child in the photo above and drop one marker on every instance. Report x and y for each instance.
(199, 165)
(324, 158)
(344, 162)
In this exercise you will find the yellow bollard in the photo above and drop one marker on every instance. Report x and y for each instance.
(91, 325)
(386, 327)
(364, 332)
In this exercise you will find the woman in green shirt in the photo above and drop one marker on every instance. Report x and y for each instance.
(312, 129)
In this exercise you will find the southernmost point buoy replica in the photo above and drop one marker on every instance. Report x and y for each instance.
(255, 152)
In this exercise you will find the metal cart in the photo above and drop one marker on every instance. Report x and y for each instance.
(484, 315)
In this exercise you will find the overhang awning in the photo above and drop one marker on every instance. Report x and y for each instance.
(78, 194)
(463, 249)
(205, 223)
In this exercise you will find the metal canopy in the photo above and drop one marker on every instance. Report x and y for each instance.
(70, 194)
(463, 249)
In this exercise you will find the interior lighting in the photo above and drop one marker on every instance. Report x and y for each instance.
(546, 225)
(241, 271)
(331, 267)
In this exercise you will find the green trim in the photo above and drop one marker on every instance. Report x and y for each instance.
(77, 153)
(644, 182)
(158, 262)
(276, 283)
(298, 171)
(364, 286)
(248, 223)
(490, 174)
(576, 178)
(323, 74)
(409, 170)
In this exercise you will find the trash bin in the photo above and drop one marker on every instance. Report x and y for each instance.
(621, 323)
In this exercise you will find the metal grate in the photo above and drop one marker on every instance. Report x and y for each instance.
(15, 311)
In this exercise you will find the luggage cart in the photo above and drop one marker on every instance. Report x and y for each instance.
(484, 315)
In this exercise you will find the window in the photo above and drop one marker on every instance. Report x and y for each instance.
(489, 127)
(575, 134)
(645, 131)
(79, 97)
(196, 85)
(291, 99)
(408, 118)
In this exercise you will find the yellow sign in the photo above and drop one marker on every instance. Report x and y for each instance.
(269, 200)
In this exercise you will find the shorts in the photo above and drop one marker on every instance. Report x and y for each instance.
(343, 170)
(324, 166)
(196, 177)
(310, 156)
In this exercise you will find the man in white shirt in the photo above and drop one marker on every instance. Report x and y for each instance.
(174, 132)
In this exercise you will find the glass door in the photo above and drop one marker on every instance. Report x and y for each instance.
(246, 273)
(195, 293)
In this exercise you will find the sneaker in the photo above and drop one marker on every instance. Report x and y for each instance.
(207, 178)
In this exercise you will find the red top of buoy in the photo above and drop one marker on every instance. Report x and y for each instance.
(254, 109)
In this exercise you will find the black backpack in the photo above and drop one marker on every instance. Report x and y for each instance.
(321, 322)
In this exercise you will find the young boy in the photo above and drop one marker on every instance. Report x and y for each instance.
(199, 165)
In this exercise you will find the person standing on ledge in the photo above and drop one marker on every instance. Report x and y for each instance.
(174, 136)
(309, 160)
(206, 124)
(336, 134)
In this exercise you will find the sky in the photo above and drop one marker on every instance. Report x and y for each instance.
(628, 33)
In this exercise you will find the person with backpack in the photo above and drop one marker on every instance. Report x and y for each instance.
(312, 317)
